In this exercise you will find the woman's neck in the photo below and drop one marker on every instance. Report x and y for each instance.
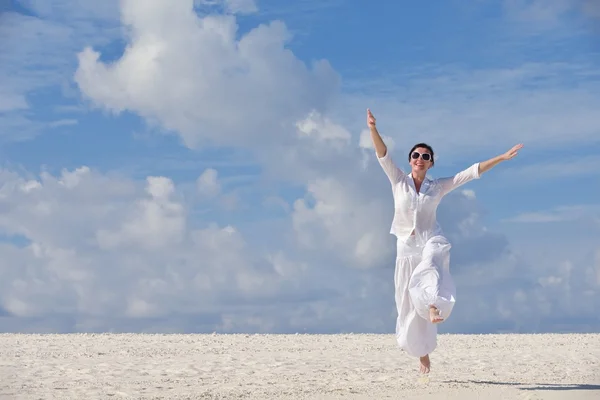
(418, 177)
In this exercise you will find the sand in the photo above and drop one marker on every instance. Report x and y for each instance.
(353, 366)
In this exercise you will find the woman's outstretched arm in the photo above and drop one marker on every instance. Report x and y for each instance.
(474, 171)
(380, 147)
(485, 166)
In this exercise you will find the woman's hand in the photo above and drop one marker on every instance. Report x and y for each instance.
(380, 147)
(485, 166)
(370, 119)
(512, 152)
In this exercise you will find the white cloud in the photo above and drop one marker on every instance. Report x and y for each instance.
(156, 223)
(230, 6)
(241, 6)
(105, 248)
(63, 122)
(577, 166)
(538, 10)
(37, 54)
(469, 193)
(276, 203)
(12, 101)
(365, 141)
(549, 11)
(595, 270)
(321, 129)
(73, 11)
(35, 206)
(208, 184)
(587, 213)
(194, 76)
(338, 219)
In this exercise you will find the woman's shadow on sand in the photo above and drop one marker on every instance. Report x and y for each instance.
(533, 386)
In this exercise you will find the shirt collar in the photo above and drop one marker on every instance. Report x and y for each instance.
(427, 179)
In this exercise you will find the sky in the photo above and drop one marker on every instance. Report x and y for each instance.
(205, 165)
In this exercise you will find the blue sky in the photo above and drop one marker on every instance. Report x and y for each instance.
(203, 166)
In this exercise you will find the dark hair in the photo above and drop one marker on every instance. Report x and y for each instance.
(425, 146)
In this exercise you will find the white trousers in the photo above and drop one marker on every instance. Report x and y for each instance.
(422, 278)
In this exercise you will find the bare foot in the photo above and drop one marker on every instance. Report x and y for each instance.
(425, 364)
(434, 315)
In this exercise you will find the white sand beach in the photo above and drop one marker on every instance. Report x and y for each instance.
(353, 366)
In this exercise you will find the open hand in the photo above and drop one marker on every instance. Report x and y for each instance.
(512, 152)
(370, 119)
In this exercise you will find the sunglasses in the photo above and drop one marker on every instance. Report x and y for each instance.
(424, 156)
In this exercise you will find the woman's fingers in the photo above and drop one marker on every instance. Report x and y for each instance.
(370, 117)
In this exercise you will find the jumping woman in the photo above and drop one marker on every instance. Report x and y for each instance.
(424, 289)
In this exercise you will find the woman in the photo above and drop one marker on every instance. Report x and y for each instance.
(424, 290)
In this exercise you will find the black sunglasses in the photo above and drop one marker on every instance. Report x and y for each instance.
(424, 156)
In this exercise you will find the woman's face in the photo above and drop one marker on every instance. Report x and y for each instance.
(420, 159)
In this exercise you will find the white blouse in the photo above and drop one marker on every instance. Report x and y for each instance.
(417, 211)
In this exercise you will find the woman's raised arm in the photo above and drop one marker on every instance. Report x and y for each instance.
(392, 171)
(380, 147)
